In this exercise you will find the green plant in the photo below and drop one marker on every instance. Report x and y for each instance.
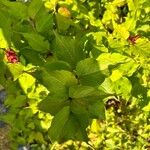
(64, 62)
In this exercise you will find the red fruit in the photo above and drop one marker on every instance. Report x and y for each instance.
(11, 56)
(132, 39)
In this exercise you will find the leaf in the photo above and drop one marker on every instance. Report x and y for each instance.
(107, 86)
(88, 71)
(13, 8)
(121, 31)
(80, 111)
(106, 59)
(39, 137)
(15, 69)
(34, 7)
(18, 101)
(70, 129)
(73, 130)
(32, 56)
(87, 102)
(53, 103)
(37, 42)
(44, 21)
(5, 30)
(63, 23)
(147, 108)
(81, 91)
(2, 73)
(142, 48)
(58, 123)
(26, 82)
(56, 82)
(128, 68)
(65, 77)
(97, 110)
(116, 75)
(3, 41)
(71, 51)
(139, 91)
(85, 94)
(57, 65)
(123, 86)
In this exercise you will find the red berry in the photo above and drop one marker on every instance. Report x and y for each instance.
(11, 56)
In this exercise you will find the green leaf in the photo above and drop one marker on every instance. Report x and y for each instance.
(107, 86)
(3, 41)
(87, 102)
(121, 31)
(128, 68)
(123, 86)
(116, 75)
(80, 110)
(5, 30)
(74, 130)
(58, 123)
(56, 81)
(63, 23)
(142, 48)
(70, 129)
(147, 107)
(79, 107)
(3, 69)
(50, 82)
(88, 71)
(18, 101)
(2, 73)
(37, 42)
(16, 70)
(81, 91)
(42, 19)
(65, 77)
(32, 56)
(34, 7)
(71, 51)
(53, 103)
(97, 110)
(106, 59)
(139, 91)
(26, 82)
(12, 9)
(57, 65)
(44, 22)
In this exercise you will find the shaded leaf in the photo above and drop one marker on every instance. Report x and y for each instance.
(37, 42)
(58, 123)
(53, 103)
(57, 65)
(34, 7)
(68, 49)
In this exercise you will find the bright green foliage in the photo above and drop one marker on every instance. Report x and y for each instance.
(83, 73)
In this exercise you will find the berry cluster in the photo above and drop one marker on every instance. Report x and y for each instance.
(11, 56)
